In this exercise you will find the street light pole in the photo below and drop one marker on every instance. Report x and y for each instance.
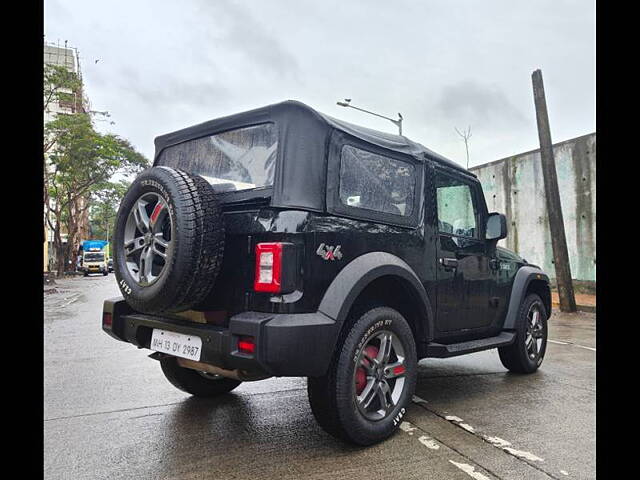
(398, 122)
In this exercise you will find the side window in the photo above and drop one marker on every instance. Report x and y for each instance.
(375, 182)
(457, 211)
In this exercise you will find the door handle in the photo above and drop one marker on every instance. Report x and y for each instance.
(449, 263)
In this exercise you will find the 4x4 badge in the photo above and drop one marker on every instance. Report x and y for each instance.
(329, 252)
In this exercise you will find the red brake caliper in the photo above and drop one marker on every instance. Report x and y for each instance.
(361, 373)
(156, 212)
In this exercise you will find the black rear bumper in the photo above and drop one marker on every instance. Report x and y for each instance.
(286, 344)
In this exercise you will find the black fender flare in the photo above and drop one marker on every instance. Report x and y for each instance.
(360, 272)
(523, 278)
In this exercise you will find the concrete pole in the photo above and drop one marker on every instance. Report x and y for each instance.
(552, 194)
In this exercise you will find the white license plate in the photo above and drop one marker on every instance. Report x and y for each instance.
(176, 344)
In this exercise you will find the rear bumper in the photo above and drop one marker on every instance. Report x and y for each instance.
(286, 344)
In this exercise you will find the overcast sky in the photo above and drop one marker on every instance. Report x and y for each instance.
(164, 65)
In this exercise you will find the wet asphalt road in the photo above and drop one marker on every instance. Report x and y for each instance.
(110, 413)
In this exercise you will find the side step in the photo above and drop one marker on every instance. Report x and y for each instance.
(439, 350)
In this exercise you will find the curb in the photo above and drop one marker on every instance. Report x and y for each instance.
(581, 308)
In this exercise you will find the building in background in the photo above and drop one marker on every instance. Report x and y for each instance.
(514, 186)
(64, 56)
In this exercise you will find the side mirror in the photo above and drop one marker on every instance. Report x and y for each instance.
(496, 228)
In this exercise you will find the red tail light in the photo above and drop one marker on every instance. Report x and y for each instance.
(246, 345)
(268, 267)
(107, 319)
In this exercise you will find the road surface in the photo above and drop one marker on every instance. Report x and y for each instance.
(110, 413)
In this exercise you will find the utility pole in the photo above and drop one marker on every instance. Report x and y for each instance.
(552, 195)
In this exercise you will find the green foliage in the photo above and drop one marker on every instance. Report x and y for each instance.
(104, 204)
(60, 84)
(79, 162)
(83, 158)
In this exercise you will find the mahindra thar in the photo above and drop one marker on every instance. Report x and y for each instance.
(284, 242)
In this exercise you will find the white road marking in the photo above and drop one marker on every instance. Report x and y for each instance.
(417, 399)
(467, 427)
(496, 441)
(407, 427)
(470, 470)
(564, 472)
(432, 444)
(70, 302)
(523, 454)
(453, 418)
(572, 344)
(429, 442)
(582, 346)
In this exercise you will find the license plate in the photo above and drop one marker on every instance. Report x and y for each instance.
(176, 344)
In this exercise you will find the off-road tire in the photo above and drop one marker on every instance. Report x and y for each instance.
(515, 357)
(332, 396)
(197, 242)
(192, 382)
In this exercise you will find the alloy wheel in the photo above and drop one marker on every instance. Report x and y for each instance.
(535, 332)
(147, 238)
(379, 376)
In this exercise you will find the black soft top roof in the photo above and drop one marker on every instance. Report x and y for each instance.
(303, 136)
(390, 141)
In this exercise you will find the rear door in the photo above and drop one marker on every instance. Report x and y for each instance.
(464, 275)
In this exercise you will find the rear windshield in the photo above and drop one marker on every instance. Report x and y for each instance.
(239, 159)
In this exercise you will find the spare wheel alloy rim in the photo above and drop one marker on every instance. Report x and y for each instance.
(380, 375)
(147, 238)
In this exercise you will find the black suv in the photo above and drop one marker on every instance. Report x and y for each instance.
(284, 242)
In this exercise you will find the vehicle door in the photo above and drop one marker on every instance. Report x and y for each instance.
(464, 274)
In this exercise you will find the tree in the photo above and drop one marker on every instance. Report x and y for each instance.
(105, 200)
(466, 135)
(78, 161)
(61, 86)
(82, 160)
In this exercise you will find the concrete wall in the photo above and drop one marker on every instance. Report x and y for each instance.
(514, 186)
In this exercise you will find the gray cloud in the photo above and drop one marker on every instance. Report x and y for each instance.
(470, 102)
(244, 34)
(166, 65)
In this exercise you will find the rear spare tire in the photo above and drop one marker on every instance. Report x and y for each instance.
(168, 241)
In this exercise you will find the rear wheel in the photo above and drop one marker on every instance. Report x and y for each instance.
(199, 384)
(369, 384)
(168, 241)
(526, 353)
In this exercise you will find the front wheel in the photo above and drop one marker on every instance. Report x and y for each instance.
(370, 381)
(199, 384)
(526, 353)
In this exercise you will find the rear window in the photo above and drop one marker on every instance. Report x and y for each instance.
(239, 159)
(375, 182)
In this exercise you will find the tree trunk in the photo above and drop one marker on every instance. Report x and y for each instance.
(57, 245)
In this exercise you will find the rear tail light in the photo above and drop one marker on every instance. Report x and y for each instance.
(107, 319)
(246, 345)
(268, 267)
